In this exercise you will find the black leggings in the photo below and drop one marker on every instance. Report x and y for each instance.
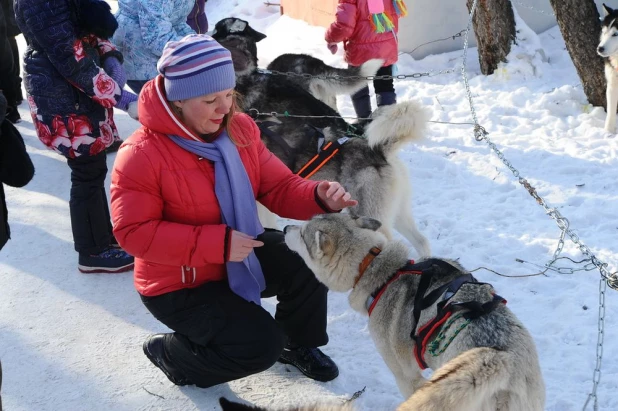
(221, 337)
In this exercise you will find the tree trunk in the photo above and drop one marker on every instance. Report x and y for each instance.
(494, 26)
(580, 27)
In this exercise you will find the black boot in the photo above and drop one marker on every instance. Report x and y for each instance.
(362, 103)
(310, 361)
(154, 348)
(386, 98)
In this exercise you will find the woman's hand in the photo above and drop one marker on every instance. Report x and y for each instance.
(334, 196)
(241, 246)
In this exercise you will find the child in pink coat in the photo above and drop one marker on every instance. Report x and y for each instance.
(368, 30)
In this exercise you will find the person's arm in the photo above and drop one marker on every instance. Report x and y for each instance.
(139, 227)
(345, 22)
(156, 28)
(55, 33)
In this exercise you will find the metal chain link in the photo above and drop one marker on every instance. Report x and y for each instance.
(529, 7)
(607, 278)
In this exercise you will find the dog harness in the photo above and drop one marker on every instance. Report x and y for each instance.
(427, 269)
(325, 151)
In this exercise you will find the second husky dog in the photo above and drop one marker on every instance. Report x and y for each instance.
(608, 49)
(485, 359)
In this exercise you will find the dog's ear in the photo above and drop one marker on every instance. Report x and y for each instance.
(325, 244)
(227, 405)
(369, 223)
(254, 34)
(607, 10)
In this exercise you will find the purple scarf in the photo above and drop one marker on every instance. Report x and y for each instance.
(238, 208)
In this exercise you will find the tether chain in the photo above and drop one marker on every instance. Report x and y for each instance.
(529, 7)
(255, 113)
(607, 278)
(368, 78)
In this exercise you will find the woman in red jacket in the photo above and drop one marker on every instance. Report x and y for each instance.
(184, 190)
(368, 30)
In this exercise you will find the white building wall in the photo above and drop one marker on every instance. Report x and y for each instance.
(430, 20)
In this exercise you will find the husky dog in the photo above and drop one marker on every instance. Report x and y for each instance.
(233, 30)
(608, 49)
(369, 168)
(485, 360)
(227, 405)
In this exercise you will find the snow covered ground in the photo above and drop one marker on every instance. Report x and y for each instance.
(70, 341)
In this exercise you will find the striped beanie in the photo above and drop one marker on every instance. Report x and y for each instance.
(195, 66)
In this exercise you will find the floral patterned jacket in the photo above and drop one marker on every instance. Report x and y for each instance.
(71, 97)
(144, 26)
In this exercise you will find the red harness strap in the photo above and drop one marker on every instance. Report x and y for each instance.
(392, 280)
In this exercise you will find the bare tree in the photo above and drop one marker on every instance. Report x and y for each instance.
(494, 26)
(580, 27)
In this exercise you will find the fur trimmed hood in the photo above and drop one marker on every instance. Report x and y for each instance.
(95, 17)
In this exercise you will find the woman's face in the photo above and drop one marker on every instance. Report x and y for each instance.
(204, 114)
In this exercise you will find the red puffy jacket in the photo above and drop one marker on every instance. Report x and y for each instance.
(353, 27)
(164, 207)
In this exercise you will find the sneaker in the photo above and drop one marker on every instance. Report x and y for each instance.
(310, 361)
(111, 260)
(154, 349)
(114, 146)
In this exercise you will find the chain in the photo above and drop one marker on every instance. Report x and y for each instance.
(453, 37)
(607, 278)
(529, 7)
(255, 113)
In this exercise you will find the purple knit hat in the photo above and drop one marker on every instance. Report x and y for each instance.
(195, 66)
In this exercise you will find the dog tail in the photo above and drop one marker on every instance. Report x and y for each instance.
(395, 125)
(471, 381)
(343, 80)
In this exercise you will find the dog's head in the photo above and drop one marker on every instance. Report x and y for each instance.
(608, 44)
(333, 246)
(241, 40)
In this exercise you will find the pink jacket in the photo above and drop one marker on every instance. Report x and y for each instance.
(361, 43)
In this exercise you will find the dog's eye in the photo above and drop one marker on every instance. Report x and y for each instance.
(615, 34)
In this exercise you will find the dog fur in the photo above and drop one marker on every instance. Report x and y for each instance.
(608, 49)
(368, 168)
(492, 363)
(227, 405)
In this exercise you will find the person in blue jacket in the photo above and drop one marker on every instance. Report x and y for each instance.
(144, 27)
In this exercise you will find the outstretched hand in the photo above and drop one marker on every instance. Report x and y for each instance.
(334, 196)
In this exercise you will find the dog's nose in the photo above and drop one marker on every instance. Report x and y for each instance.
(286, 228)
(601, 49)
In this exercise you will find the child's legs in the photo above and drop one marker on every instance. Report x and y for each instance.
(90, 219)
(385, 90)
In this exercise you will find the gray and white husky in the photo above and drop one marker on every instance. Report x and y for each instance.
(484, 358)
(608, 49)
(369, 168)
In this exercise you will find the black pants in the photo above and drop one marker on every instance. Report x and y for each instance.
(90, 218)
(221, 337)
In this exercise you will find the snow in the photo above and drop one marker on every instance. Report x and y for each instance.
(73, 342)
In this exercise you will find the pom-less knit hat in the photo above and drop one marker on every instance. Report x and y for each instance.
(195, 66)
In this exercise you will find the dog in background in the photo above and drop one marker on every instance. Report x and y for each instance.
(331, 82)
(369, 168)
(608, 49)
(484, 358)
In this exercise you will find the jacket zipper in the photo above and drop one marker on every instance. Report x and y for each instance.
(197, 22)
